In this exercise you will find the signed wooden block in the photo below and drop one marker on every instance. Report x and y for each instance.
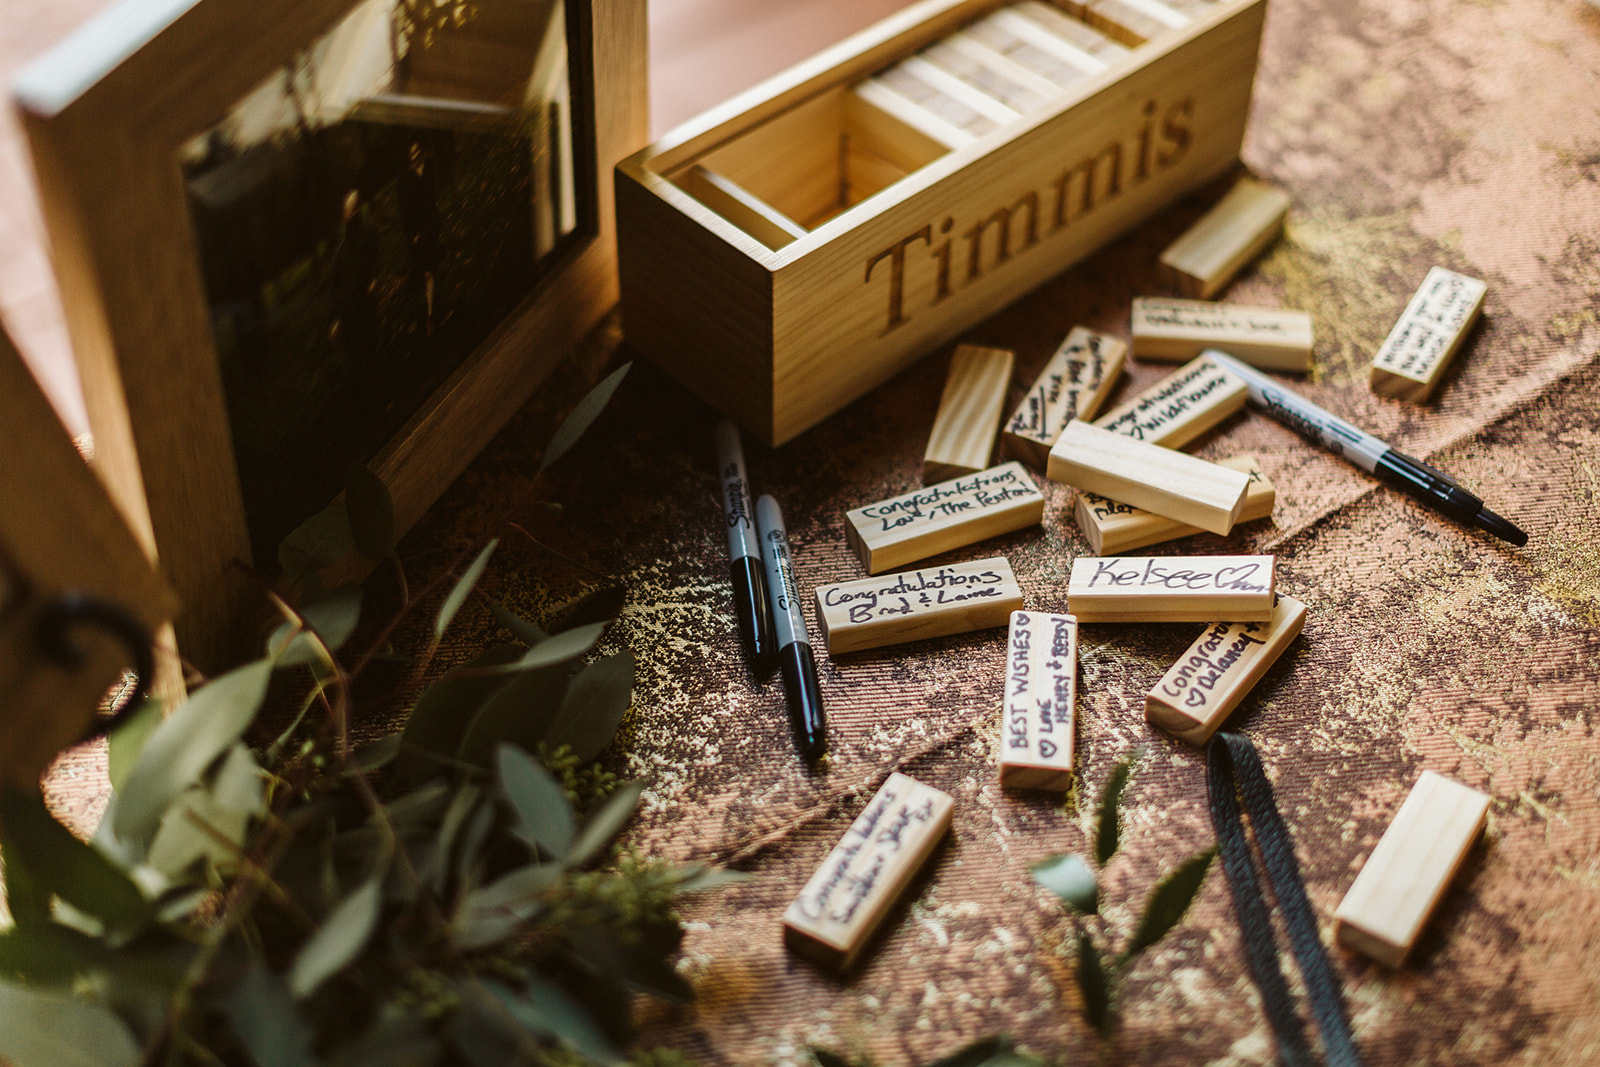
(1169, 483)
(1406, 875)
(969, 413)
(937, 518)
(1224, 663)
(1180, 407)
(892, 609)
(1073, 385)
(1176, 589)
(835, 915)
(1429, 334)
(1235, 231)
(1112, 528)
(1274, 338)
(1040, 696)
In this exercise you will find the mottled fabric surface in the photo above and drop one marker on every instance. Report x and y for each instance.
(1409, 134)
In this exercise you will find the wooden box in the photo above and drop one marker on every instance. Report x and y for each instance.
(799, 245)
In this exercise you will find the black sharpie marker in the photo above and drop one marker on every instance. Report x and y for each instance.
(749, 588)
(1434, 488)
(795, 660)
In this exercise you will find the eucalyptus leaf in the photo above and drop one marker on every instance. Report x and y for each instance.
(28, 901)
(595, 702)
(192, 823)
(59, 863)
(51, 1029)
(520, 628)
(446, 708)
(1094, 985)
(48, 954)
(700, 877)
(267, 1021)
(1169, 900)
(602, 605)
(1069, 877)
(604, 824)
(371, 510)
(543, 816)
(321, 541)
(181, 748)
(582, 415)
(519, 713)
(498, 910)
(1108, 828)
(376, 755)
(463, 587)
(332, 617)
(563, 647)
(401, 1041)
(340, 940)
(550, 1011)
(434, 872)
(125, 742)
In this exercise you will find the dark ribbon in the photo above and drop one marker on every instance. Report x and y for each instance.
(1233, 769)
(68, 611)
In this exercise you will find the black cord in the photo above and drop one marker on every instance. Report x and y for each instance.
(71, 610)
(1231, 757)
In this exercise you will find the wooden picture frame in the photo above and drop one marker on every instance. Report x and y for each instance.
(107, 114)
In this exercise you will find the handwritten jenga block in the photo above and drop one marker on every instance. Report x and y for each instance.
(1040, 696)
(925, 522)
(1113, 528)
(837, 912)
(1169, 483)
(1073, 385)
(1180, 407)
(892, 609)
(1224, 663)
(1224, 239)
(1274, 338)
(1407, 874)
(969, 413)
(1179, 589)
(1428, 335)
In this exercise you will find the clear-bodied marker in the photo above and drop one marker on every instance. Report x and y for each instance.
(1433, 487)
(750, 600)
(795, 660)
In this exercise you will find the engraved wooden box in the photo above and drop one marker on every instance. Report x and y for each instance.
(791, 249)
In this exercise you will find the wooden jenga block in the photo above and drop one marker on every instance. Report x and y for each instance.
(1235, 231)
(1224, 663)
(1429, 334)
(837, 912)
(1033, 33)
(1112, 528)
(891, 609)
(1133, 22)
(990, 70)
(1040, 696)
(1169, 483)
(1407, 874)
(1273, 338)
(1068, 26)
(1179, 589)
(937, 518)
(1073, 385)
(969, 414)
(1180, 407)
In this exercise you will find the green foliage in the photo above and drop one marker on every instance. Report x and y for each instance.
(448, 894)
(1072, 880)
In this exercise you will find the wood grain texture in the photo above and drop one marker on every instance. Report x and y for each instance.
(1435, 324)
(1408, 872)
(1159, 480)
(1180, 407)
(105, 114)
(1039, 701)
(1171, 589)
(1273, 338)
(974, 397)
(1112, 528)
(1238, 228)
(1073, 384)
(60, 533)
(1218, 670)
(893, 609)
(857, 885)
(1132, 22)
(891, 277)
(925, 522)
